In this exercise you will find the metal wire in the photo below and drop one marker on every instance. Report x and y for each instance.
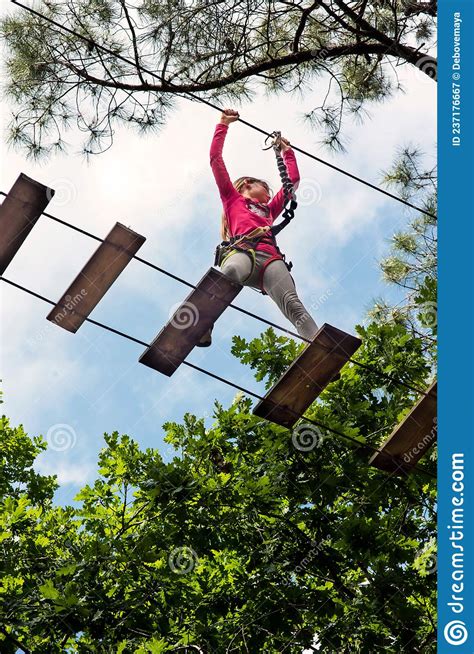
(193, 96)
(213, 106)
(317, 423)
(236, 307)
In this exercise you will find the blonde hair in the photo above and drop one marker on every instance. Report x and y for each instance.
(239, 185)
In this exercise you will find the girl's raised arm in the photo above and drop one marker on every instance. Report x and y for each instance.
(223, 181)
(276, 203)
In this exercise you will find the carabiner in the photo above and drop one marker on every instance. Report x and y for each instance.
(276, 135)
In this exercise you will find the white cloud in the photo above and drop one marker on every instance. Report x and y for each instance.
(68, 472)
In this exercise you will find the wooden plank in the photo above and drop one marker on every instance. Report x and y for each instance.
(199, 311)
(24, 204)
(96, 277)
(307, 376)
(411, 439)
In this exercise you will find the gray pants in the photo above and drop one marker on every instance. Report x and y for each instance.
(277, 283)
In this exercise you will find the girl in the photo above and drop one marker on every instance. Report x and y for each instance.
(247, 206)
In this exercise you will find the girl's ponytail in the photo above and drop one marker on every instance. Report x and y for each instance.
(225, 233)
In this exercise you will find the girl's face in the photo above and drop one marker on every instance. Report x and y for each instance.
(258, 191)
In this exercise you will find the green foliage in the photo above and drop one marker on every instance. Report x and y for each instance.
(412, 262)
(17, 454)
(363, 81)
(269, 355)
(245, 541)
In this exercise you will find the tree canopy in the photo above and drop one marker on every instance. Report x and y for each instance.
(221, 50)
(412, 262)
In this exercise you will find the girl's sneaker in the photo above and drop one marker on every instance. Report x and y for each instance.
(206, 339)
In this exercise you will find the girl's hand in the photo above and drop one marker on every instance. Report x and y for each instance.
(284, 144)
(229, 116)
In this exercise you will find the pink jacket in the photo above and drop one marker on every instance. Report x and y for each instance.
(243, 213)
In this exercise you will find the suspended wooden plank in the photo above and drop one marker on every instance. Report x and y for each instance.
(95, 279)
(199, 311)
(19, 212)
(411, 439)
(307, 376)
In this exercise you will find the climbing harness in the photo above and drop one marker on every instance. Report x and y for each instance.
(248, 242)
(242, 242)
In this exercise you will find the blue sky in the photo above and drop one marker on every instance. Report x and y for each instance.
(162, 187)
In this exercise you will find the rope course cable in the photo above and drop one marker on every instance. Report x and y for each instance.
(213, 106)
(379, 373)
(193, 96)
(227, 382)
